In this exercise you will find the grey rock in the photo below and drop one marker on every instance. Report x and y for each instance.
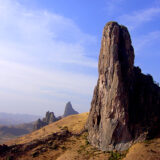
(69, 110)
(49, 118)
(126, 103)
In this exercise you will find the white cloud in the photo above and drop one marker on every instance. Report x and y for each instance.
(37, 32)
(33, 44)
(28, 79)
(138, 18)
(30, 87)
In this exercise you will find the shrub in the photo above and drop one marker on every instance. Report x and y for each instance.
(87, 143)
(54, 146)
(63, 147)
(65, 128)
(116, 156)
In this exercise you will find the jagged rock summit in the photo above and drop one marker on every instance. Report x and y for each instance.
(69, 110)
(126, 103)
(49, 118)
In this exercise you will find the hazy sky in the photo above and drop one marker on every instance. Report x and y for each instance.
(49, 49)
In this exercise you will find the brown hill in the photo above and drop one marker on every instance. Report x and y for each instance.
(67, 140)
(74, 123)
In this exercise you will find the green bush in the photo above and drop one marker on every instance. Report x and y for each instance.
(116, 156)
(87, 142)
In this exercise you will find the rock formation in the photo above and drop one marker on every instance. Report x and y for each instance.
(49, 118)
(69, 110)
(126, 103)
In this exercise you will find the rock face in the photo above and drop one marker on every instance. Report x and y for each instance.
(126, 103)
(69, 110)
(49, 118)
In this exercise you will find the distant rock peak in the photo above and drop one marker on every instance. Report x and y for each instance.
(126, 103)
(49, 118)
(69, 110)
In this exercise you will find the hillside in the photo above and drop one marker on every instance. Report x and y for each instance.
(9, 132)
(74, 123)
(14, 131)
(67, 139)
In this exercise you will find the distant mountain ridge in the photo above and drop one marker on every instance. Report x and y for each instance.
(13, 131)
(13, 125)
(15, 119)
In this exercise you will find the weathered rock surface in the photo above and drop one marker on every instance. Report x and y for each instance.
(69, 110)
(126, 103)
(49, 118)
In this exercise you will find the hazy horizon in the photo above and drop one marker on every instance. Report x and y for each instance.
(49, 49)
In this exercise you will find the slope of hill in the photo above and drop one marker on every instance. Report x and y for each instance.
(14, 131)
(74, 123)
(18, 128)
(67, 139)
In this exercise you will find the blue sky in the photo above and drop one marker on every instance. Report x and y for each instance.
(49, 49)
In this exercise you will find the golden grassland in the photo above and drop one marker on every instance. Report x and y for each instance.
(74, 123)
(77, 147)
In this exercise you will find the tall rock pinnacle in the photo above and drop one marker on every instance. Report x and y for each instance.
(126, 103)
(69, 110)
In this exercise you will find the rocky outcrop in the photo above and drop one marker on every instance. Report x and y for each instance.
(69, 110)
(126, 103)
(49, 118)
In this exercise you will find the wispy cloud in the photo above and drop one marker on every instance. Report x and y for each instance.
(138, 18)
(35, 33)
(36, 49)
(41, 87)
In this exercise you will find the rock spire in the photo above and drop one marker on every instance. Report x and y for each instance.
(126, 103)
(69, 110)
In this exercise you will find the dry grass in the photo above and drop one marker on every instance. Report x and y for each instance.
(77, 147)
(74, 148)
(148, 150)
(74, 123)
